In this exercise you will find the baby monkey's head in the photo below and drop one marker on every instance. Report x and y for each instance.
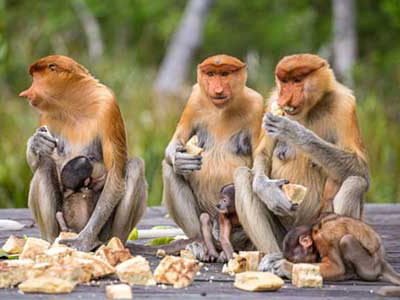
(226, 204)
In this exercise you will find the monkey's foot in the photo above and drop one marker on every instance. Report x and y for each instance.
(222, 258)
(81, 244)
(201, 253)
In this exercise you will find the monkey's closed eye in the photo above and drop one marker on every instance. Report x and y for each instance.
(224, 74)
(284, 80)
(52, 67)
(211, 74)
(297, 80)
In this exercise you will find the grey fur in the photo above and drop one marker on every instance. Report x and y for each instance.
(240, 143)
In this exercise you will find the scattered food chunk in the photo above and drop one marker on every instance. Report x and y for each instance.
(276, 110)
(253, 259)
(34, 247)
(295, 192)
(258, 281)
(46, 284)
(115, 244)
(237, 264)
(64, 235)
(192, 146)
(160, 253)
(306, 275)
(13, 272)
(98, 267)
(14, 245)
(113, 255)
(187, 254)
(135, 271)
(178, 271)
(119, 291)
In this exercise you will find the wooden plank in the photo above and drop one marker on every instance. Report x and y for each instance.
(210, 282)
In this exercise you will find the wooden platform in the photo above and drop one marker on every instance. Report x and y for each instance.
(211, 284)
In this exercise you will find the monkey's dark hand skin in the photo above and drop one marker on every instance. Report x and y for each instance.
(276, 264)
(270, 192)
(40, 144)
(185, 163)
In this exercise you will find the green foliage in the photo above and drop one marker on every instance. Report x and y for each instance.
(135, 35)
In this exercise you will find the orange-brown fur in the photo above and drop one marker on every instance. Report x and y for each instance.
(333, 114)
(77, 109)
(245, 111)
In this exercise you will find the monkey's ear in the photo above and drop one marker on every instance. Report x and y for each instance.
(305, 241)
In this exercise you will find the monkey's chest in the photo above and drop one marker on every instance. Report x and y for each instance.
(291, 164)
(220, 159)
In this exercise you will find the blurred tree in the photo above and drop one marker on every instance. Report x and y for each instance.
(344, 39)
(92, 29)
(185, 41)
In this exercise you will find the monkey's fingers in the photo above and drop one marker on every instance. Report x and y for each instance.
(187, 156)
(47, 138)
(180, 149)
(190, 167)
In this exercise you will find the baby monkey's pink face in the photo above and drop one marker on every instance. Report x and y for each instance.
(226, 204)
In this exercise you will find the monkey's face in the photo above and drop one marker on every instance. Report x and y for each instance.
(53, 77)
(226, 205)
(299, 85)
(222, 78)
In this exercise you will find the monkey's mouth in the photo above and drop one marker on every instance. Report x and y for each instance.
(290, 110)
(222, 210)
(219, 99)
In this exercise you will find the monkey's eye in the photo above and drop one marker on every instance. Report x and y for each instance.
(224, 74)
(297, 80)
(211, 74)
(284, 80)
(52, 67)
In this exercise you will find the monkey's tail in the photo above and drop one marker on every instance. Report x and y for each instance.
(171, 248)
(390, 275)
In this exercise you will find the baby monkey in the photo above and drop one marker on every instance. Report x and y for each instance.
(222, 224)
(343, 247)
(79, 193)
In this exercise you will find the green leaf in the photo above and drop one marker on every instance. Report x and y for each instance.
(160, 241)
(133, 235)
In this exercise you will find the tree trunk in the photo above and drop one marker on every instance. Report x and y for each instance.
(91, 28)
(184, 43)
(344, 39)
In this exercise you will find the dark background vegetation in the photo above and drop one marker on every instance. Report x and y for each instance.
(136, 34)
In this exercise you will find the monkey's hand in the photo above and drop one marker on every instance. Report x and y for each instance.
(286, 130)
(270, 192)
(276, 264)
(185, 163)
(40, 144)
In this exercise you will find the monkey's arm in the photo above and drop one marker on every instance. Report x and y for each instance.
(339, 162)
(115, 157)
(183, 163)
(225, 233)
(269, 191)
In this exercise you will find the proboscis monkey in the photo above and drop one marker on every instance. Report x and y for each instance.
(317, 144)
(219, 229)
(343, 247)
(83, 118)
(226, 117)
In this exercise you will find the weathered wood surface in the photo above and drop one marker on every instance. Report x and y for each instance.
(211, 284)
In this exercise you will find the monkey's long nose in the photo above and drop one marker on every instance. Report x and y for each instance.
(25, 93)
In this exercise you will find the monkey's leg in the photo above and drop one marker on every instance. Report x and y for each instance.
(349, 200)
(180, 202)
(134, 201)
(366, 266)
(44, 196)
(260, 224)
(211, 254)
